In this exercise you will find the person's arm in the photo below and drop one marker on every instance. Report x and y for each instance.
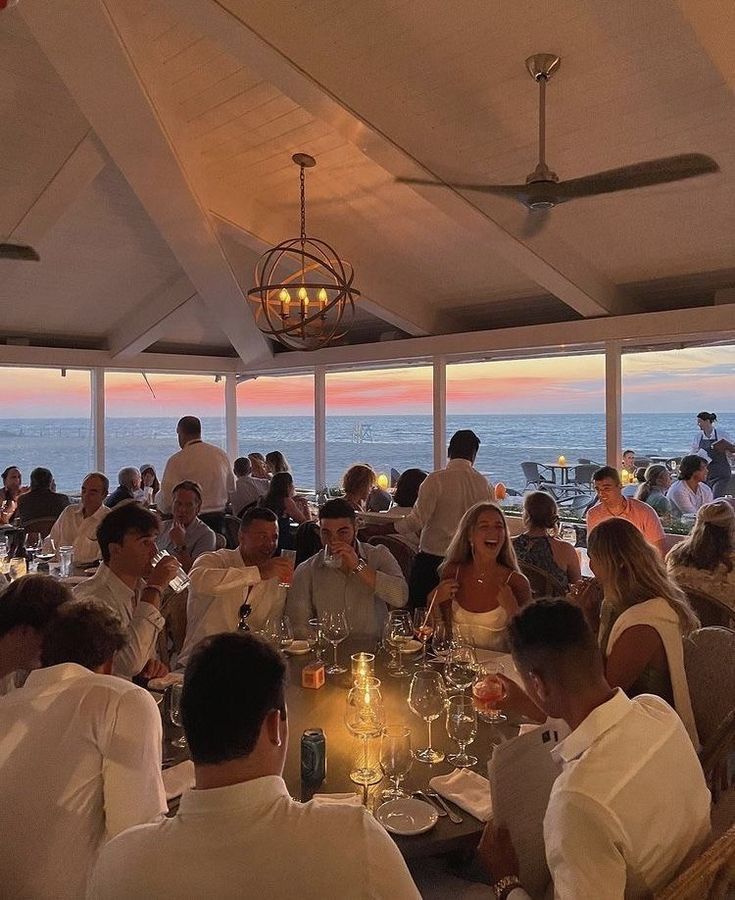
(630, 654)
(211, 575)
(385, 870)
(521, 590)
(131, 764)
(296, 511)
(654, 532)
(572, 566)
(387, 578)
(299, 600)
(422, 511)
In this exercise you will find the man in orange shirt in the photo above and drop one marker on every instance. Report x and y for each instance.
(612, 504)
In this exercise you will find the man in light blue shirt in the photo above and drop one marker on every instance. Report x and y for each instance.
(186, 537)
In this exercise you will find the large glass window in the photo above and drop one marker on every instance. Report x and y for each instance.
(382, 417)
(45, 420)
(142, 412)
(529, 410)
(278, 414)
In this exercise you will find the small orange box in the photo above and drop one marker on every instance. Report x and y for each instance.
(312, 675)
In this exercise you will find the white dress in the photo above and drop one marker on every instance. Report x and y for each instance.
(486, 630)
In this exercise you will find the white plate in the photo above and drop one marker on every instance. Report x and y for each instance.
(407, 816)
(411, 647)
(298, 648)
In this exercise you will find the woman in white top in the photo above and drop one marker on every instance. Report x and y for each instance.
(481, 587)
(689, 492)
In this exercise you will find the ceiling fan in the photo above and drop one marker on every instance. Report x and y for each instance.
(18, 251)
(543, 191)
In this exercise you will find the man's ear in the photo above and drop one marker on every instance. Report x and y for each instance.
(536, 683)
(274, 727)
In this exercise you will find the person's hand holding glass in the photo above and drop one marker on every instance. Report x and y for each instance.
(395, 758)
(426, 699)
(335, 629)
(461, 728)
(488, 691)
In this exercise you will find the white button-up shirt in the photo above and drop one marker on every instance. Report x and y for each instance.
(80, 761)
(142, 620)
(220, 583)
(71, 529)
(252, 840)
(247, 490)
(204, 463)
(630, 804)
(685, 500)
(444, 497)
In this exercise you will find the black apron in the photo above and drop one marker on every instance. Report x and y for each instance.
(719, 467)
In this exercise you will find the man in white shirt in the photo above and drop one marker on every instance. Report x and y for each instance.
(248, 490)
(631, 802)
(690, 492)
(443, 498)
(185, 536)
(129, 584)
(80, 758)
(239, 833)
(361, 579)
(228, 586)
(612, 505)
(204, 463)
(77, 525)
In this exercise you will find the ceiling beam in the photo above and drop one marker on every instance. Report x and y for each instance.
(85, 45)
(60, 357)
(545, 260)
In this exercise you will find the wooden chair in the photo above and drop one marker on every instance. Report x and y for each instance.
(711, 875)
(402, 552)
(710, 611)
(543, 583)
(42, 525)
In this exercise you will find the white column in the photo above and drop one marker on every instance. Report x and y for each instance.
(613, 403)
(97, 381)
(440, 411)
(320, 428)
(231, 415)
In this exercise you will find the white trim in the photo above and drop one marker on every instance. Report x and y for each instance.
(97, 384)
(231, 438)
(613, 404)
(439, 385)
(320, 429)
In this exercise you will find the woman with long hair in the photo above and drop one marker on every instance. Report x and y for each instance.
(481, 587)
(357, 482)
(407, 488)
(280, 500)
(149, 483)
(539, 544)
(653, 490)
(705, 560)
(9, 493)
(276, 462)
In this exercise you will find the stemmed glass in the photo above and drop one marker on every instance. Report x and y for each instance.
(441, 639)
(174, 712)
(426, 699)
(365, 718)
(335, 628)
(398, 632)
(423, 628)
(460, 668)
(33, 545)
(314, 638)
(487, 691)
(461, 728)
(277, 630)
(47, 550)
(395, 758)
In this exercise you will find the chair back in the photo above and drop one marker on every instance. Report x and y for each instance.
(709, 610)
(42, 525)
(220, 541)
(232, 531)
(531, 472)
(403, 554)
(709, 661)
(394, 476)
(712, 874)
(543, 583)
(307, 541)
(583, 473)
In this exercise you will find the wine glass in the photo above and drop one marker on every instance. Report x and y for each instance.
(426, 699)
(487, 691)
(399, 631)
(174, 712)
(33, 543)
(315, 638)
(281, 632)
(441, 639)
(423, 628)
(47, 550)
(335, 628)
(395, 758)
(461, 728)
(365, 718)
(460, 667)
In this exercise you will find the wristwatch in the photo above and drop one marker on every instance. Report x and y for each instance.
(360, 567)
(505, 885)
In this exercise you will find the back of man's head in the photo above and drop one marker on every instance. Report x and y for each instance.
(242, 466)
(85, 632)
(31, 601)
(232, 682)
(128, 476)
(607, 472)
(41, 479)
(463, 444)
(127, 517)
(190, 427)
(337, 509)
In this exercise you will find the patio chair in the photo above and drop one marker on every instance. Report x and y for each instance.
(533, 476)
(583, 474)
(709, 610)
(42, 525)
(402, 552)
(709, 661)
(711, 874)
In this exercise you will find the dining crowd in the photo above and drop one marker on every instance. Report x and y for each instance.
(83, 801)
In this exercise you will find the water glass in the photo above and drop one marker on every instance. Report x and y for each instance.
(332, 560)
(441, 639)
(462, 729)
(487, 691)
(66, 558)
(180, 581)
(336, 629)
(174, 711)
(460, 668)
(395, 758)
(398, 633)
(426, 699)
(568, 533)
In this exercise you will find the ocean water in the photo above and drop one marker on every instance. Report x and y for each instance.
(65, 445)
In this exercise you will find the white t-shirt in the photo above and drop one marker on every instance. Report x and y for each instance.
(204, 463)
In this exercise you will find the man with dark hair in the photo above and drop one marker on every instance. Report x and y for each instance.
(80, 758)
(248, 490)
(690, 492)
(631, 802)
(224, 582)
(77, 525)
(612, 504)
(130, 585)
(362, 579)
(41, 501)
(206, 464)
(185, 536)
(443, 498)
(240, 833)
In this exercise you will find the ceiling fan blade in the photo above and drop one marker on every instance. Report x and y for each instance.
(18, 251)
(638, 175)
(507, 190)
(536, 220)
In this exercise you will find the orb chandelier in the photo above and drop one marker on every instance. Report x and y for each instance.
(303, 295)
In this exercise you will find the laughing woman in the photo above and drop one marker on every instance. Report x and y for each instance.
(481, 587)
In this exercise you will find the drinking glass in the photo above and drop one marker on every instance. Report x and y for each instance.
(423, 628)
(568, 533)
(365, 718)
(336, 629)
(33, 543)
(460, 667)
(487, 691)
(426, 699)
(441, 639)
(399, 631)
(290, 555)
(461, 728)
(395, 758)
(278, 630)
(315, 638)
(47, 550)
(332, 560)
(66, 559)
(180, 581)
(174, 712)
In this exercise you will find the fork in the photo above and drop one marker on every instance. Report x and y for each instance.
(437, 798)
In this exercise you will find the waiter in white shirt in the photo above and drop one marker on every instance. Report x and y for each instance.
(444, 497)
(77, 525)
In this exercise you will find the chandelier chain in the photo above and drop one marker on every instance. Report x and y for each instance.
(302, 182)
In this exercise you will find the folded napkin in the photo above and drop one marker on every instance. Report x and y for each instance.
(160, 684)
(178, 779)
(467, 789)
(350, 799)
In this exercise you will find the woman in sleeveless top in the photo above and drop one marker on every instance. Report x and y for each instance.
(280, 499)
(481, 587)
(539, 546)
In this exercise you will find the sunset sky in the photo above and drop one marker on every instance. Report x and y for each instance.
(672, 381)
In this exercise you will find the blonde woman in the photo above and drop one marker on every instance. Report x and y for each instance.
(705, 560)
(357, 482)
(481, 587)
(644, 618)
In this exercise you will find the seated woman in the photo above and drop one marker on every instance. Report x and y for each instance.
(9, 494)
(539, 546)
(705, 560)
(280, 499)
(690, 491)
(404, 498)
(149, 483)
(653, 490)
(357, 482)
(481, 587)
(276, 462)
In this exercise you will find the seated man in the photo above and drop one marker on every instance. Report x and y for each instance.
(248, 490)
(631, 802)
(77, 525)
(611, 504)
(223, 581)
(186, 537)
(239, 833)
(128, 484)
(367, 581)
(41, 501)
(129, 584)
(80, 758)
(26, 608)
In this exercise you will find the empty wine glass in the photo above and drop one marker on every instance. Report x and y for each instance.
(487, 691)
(423, 628)
(47, 550)
(315, 638)
(426, 699)
(460, 668)
(399, 631)
(33, 543)
(395, 758)
(365, 718)
(175, 712)
(278, 630)
(441, 639)
(461, 728)
(336, 629)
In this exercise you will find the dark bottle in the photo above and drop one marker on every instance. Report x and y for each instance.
(313, 756)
